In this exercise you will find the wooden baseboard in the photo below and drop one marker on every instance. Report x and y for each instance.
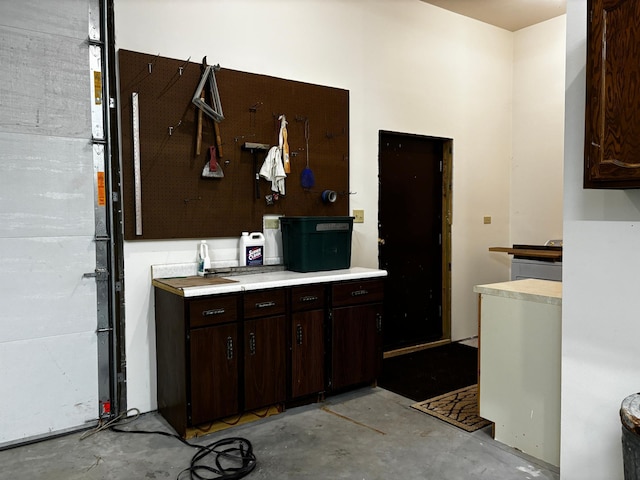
(229, 422)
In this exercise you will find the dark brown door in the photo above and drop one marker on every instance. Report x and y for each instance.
(214, 372)
(307, 353)
(264, 362)
(410, 231)
(356, 344)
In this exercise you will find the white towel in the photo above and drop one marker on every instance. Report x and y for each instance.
(273, 171)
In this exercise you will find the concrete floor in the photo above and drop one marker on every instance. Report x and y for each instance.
(368, 433)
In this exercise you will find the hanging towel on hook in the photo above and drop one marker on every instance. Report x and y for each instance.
(273, 171)
(274, 166)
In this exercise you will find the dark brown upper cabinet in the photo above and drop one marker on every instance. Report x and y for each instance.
(612, 117)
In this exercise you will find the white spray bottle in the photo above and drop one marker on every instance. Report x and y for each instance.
(204, 262)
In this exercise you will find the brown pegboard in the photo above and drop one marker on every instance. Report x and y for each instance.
(176, 201)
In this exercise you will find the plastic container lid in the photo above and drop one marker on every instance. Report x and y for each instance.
(630, 413)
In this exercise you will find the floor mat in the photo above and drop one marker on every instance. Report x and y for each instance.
(459, 408)
(431, 372)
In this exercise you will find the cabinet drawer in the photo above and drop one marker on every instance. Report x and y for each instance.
(264, 303)
(307, 297)
(213, 310)
(353, 293)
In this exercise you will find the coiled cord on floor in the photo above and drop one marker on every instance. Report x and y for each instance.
(233, 457)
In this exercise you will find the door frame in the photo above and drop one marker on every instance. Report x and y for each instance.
(112, 348)
(447, 221)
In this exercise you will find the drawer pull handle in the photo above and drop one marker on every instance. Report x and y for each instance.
(252, 343)
(358, 293)
(379, 322)
(229, 348)
(213, 311)
(265, 304)
(308, 298)
(299, 334)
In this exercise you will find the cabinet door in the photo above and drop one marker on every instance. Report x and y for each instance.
(264, 362)
(307, 353)
(356, 352)
(612, 129)
(214, 372)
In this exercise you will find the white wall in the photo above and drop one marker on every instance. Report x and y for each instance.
(409, 67)
(538, 132)
(600, 324)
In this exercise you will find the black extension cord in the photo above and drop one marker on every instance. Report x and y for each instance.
(233, 457)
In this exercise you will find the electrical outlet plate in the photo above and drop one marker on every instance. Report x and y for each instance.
(487, 220)
(358, 216)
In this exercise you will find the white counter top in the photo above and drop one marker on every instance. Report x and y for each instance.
(285, 278)
(530, 289)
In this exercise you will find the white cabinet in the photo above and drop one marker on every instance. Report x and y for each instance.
(520, 353)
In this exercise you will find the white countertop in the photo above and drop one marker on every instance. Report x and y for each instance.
(285, 278)
(530, 289)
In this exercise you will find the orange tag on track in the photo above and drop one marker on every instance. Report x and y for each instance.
(102, 199)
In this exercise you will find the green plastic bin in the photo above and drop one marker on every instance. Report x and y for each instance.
(312, 244)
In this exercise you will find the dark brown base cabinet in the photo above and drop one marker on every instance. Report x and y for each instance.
(265, 350)
(308, 311)
(214, 373)
(223, 355)
(356, 333)
(197, 358)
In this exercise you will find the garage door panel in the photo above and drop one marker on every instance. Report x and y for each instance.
(68, 18)
(44, 84)
(45, 186)
(43, 291)
(49, 370)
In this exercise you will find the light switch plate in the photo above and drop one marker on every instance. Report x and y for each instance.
(272, 223)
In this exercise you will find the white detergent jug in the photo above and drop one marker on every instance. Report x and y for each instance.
(204, 262)
(251, 249)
